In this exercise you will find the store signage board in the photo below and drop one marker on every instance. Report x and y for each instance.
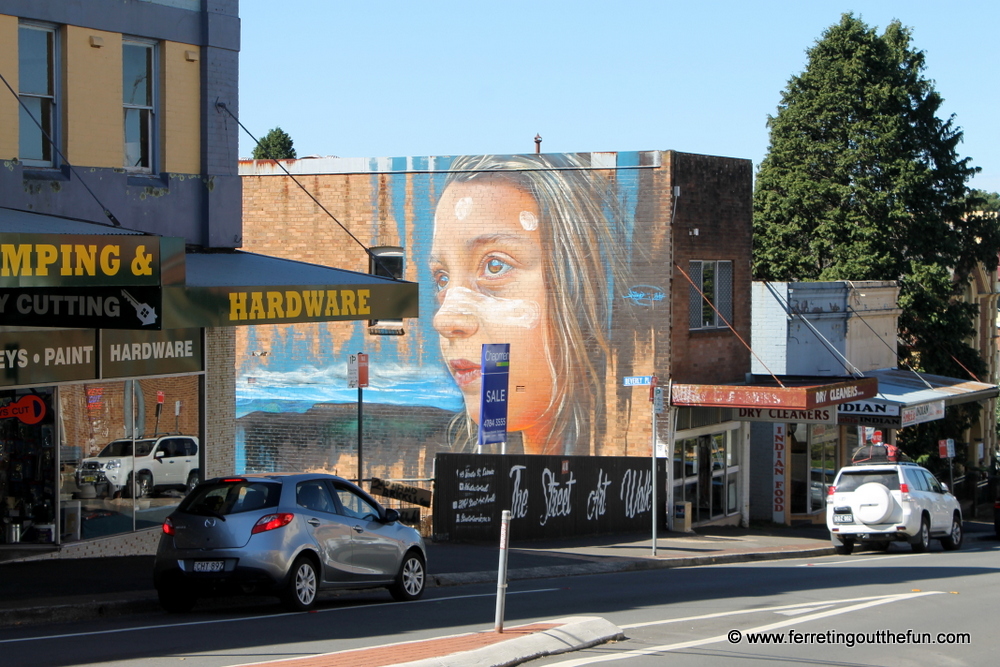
(44, 357)
(137, 353)
(226, 306)
(784, 415)
(925, 412)
(128, 307)
(495, 374)
(89, 260)
(758, 396)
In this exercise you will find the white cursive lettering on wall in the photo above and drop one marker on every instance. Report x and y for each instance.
(636, 492)
(557, 496)
(597, 500)
(519, 498)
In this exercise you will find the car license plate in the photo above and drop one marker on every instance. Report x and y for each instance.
(88, 479)
(843, 518)
(209, 565)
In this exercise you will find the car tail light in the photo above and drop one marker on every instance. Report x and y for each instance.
(168, 527)
(830, 490)
(904, 488)
(996, 505)
(270, 522)
(234, 480)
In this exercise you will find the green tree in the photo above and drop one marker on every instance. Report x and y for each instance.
(276, 145)
(863, 181)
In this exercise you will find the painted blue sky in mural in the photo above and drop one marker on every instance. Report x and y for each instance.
(468, 78)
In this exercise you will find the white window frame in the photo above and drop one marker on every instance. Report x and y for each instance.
(50, 98)
(138, 160)
(719, 291)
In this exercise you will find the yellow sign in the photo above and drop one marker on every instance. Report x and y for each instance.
(293, 304)
(50, 260)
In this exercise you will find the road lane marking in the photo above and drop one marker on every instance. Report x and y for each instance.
(637, 653)
(776, 609)
(146, 628)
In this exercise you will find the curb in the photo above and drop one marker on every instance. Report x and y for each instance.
(574, 633)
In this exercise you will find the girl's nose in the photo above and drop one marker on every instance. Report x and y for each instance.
(457, 317)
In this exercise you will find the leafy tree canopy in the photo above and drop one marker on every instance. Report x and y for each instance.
(276, 145)
(863, 181)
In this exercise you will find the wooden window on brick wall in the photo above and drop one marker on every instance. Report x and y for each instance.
(711, 300)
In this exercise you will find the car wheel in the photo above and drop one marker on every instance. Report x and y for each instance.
(922, 539)
(411, 579)
(143, 485)
(843, 547)
(302, 585)
(954, 539)
(194, 479)
(176, 600)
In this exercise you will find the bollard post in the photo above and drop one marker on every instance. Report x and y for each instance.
(502, 572)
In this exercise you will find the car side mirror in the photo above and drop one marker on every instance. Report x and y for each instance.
(945, 487)
(159, 455)
(391, 516)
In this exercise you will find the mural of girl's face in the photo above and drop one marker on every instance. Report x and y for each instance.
(487, 264)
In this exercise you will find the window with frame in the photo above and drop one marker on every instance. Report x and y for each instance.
(138, 102)
(36, 52)
(711, 300)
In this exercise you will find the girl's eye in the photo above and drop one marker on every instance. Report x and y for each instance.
(441, 280)
(496, 267)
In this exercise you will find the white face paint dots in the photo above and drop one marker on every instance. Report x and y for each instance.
(463, 207)
(528, 220)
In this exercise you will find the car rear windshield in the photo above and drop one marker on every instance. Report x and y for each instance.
(852, 479)
(231, 497)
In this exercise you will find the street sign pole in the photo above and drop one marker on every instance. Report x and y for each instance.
(357, 376)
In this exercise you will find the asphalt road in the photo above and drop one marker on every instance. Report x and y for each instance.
(685, 613)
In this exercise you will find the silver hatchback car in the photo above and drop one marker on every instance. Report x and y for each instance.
(290, 535)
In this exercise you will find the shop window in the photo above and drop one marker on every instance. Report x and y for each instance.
(37, 56)
(711, 295)
(138, 102)
(387, 262)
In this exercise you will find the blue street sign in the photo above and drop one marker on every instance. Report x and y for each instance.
(637, 380)
(495, 371)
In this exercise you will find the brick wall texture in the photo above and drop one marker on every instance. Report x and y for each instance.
(569, 258)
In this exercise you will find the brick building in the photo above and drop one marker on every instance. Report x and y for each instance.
(591, 266)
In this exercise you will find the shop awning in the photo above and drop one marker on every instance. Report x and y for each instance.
(783, 398)
(240, 288)
(59, 272)
(906, 398)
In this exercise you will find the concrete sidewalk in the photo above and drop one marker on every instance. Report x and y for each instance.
(52, 590)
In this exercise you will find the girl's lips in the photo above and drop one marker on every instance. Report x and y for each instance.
(464, 371)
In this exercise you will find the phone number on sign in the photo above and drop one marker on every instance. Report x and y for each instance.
(495, 423)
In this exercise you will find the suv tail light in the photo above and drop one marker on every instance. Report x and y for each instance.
(270, 522)
(168, 527)
(904, 488)
(830, 490)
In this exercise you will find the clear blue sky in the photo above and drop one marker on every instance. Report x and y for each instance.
(408, 78)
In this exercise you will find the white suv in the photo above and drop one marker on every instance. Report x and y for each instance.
(160, 462)
(877, 503)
